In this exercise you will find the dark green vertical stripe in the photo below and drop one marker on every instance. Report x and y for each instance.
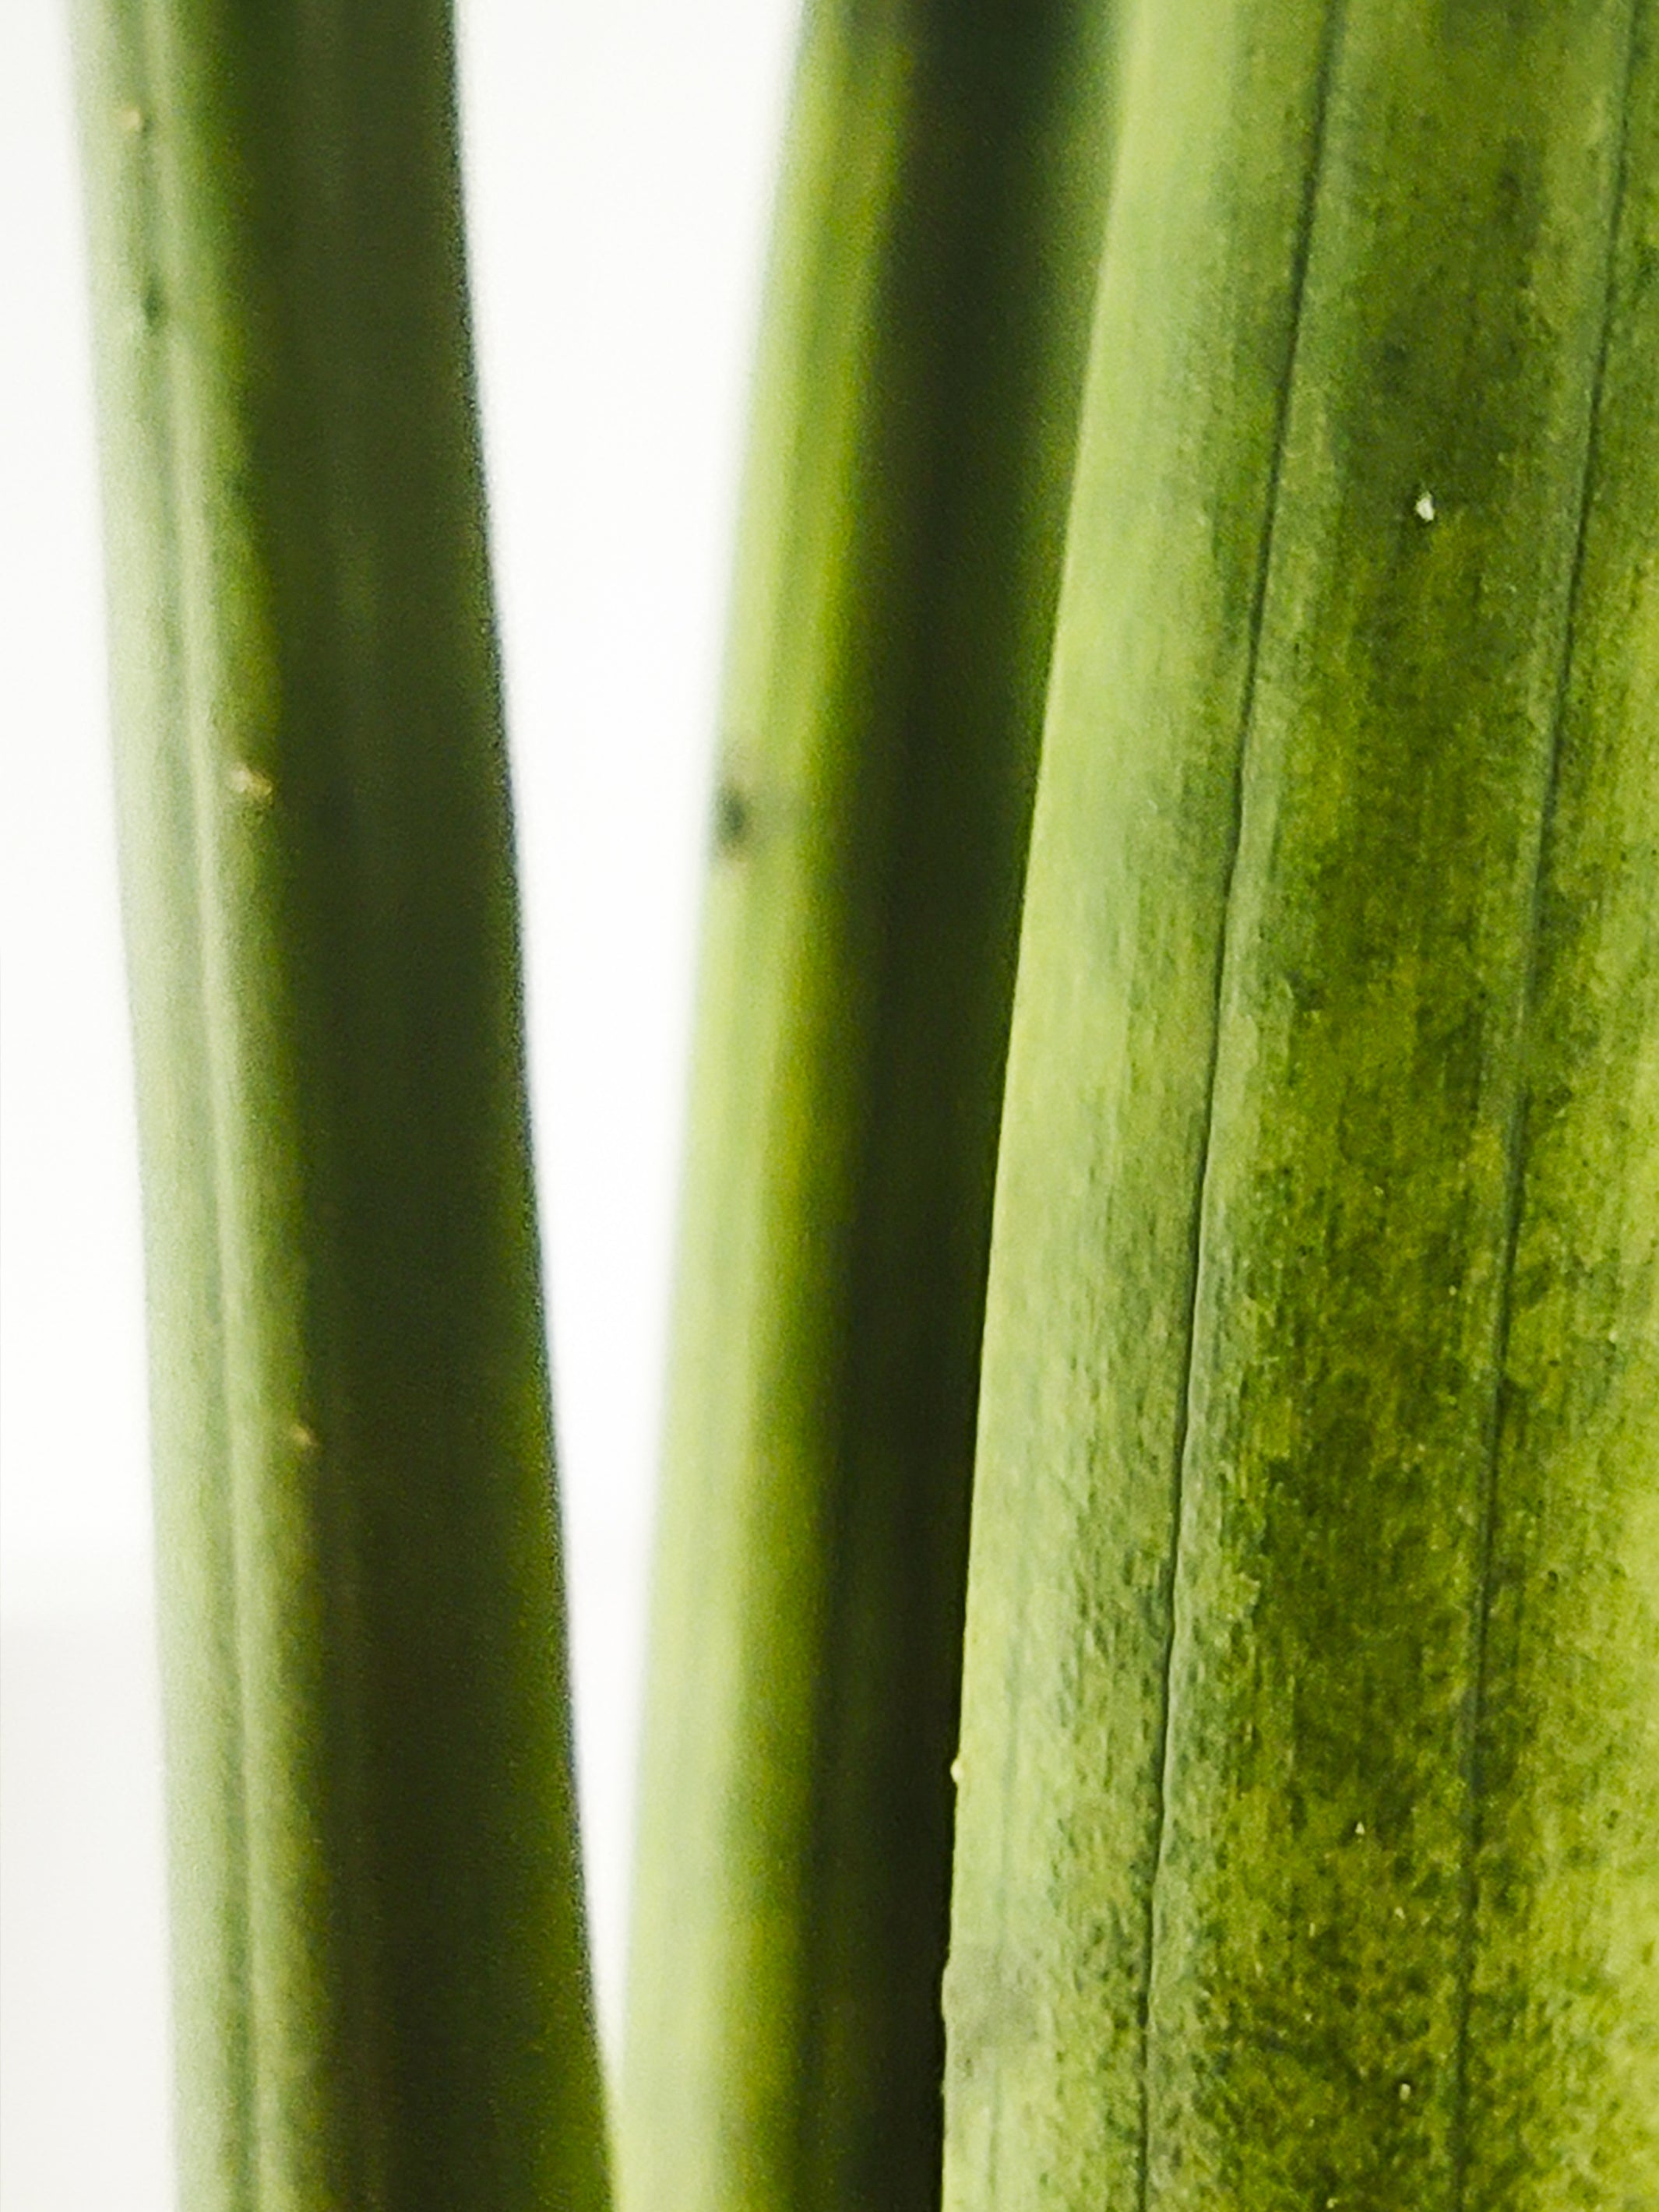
(1562, 2073)
(937, 235)
(1330, 50)
(1515, 1149)
(1357, 1212)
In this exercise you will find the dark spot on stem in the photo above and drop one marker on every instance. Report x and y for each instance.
(734, 818)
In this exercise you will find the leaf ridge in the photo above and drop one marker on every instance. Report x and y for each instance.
(1163, 1745)
(1517, 1151)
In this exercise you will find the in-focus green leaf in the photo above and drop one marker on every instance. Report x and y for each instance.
(1311, 1730)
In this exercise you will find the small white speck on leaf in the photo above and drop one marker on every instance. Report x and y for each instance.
(1400, 1912)
(1359, 1828)
(1424, 508)
(250, 783)
(1405, 2092)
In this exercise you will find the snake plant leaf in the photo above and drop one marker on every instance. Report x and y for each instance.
(925, 336)
(379, 1980)
(1307, 1846)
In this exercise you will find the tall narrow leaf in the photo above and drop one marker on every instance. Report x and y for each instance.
(937, 237)
(1311, 1743)
(380, 1984)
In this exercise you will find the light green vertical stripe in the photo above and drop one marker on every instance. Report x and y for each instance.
(190, 1443)
(1106, 1120)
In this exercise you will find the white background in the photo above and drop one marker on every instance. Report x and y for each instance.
(620, 164)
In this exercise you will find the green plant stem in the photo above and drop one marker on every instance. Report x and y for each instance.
(381, 1986)
(937, 235)
(1305, 1847)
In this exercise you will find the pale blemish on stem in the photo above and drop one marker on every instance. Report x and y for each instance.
(252, 784)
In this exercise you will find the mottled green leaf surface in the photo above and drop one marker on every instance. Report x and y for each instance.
(1309, 1839)
(938, 236)
(380, 1994)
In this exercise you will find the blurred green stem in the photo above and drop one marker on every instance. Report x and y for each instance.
(380, 1985)
(939, 231)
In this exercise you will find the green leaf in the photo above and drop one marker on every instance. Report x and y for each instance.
(938, 232)
(381, 1986)
(1306, 1854)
